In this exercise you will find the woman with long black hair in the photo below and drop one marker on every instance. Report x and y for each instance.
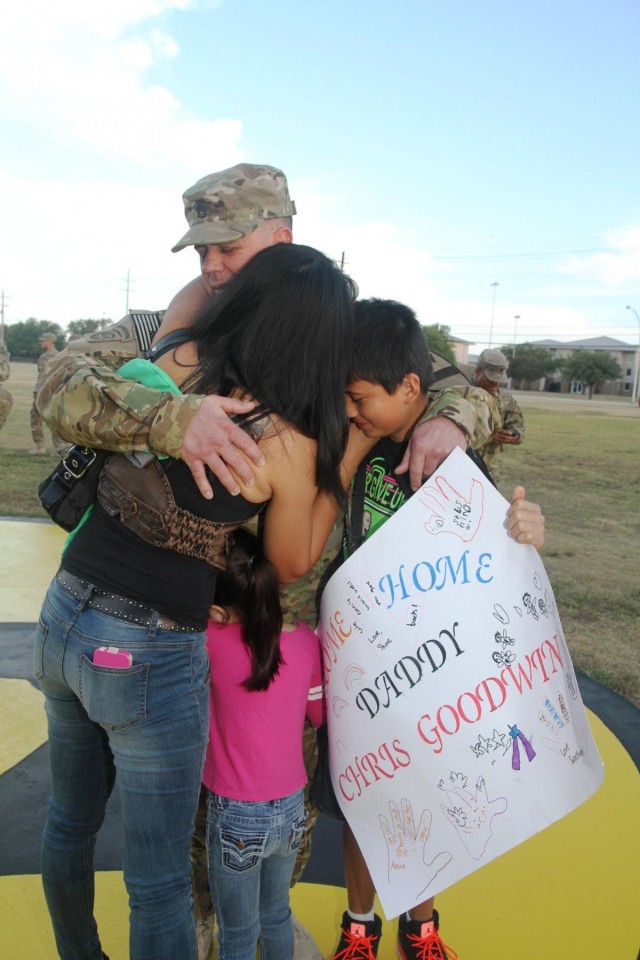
(120, 649)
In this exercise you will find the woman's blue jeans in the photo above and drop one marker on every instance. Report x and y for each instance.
(252, 852)
(147, 727)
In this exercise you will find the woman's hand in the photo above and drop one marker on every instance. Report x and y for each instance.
(525, 520)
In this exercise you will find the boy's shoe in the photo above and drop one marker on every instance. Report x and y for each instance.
(419, 940)
(358, 941)
(37, 452)
(304, 946)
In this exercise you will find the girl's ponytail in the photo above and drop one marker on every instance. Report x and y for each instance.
(250, 586)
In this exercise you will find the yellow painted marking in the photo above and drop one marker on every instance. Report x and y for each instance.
(30, 556)
(574, 886)
(24, 724)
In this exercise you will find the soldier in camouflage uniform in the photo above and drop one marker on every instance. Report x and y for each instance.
(231, 215)
(6, 397)
(47, 343)
(491, 375)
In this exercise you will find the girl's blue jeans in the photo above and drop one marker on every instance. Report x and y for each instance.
(145, 726)
(252, 851)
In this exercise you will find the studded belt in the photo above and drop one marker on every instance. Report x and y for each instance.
(116, 606)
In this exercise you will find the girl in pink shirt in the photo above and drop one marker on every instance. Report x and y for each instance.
(265, 678)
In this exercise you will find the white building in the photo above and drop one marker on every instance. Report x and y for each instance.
(624, 353)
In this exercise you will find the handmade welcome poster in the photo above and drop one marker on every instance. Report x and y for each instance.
(456, 727)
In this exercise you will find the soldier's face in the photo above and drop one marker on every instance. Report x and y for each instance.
(220, 261)
(482, 380)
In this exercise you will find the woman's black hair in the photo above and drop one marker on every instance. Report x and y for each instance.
(249, 586)
(282, 330)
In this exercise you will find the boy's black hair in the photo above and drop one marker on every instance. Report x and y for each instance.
(249, 586)
(389, 343)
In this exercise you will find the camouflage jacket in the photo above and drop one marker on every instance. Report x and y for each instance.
(85, 401)
(509, 418)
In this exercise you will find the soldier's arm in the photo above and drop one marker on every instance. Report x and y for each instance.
(454, 418)
(84, 399)
(88, 403)
(513, 421)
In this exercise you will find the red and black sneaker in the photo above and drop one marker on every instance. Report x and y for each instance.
(419, 940)
(358, 940)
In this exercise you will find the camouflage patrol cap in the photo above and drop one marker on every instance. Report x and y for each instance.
(494, 363)
(230, 204)
(47, 335)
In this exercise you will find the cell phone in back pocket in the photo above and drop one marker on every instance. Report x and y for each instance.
(112, 657)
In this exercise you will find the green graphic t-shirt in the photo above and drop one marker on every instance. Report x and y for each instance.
(376, 493)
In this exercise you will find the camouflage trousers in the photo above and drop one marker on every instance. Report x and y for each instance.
(60, 446)
(6, 402)
(199, 871)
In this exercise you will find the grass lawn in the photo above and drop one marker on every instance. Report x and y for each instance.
(580, 460)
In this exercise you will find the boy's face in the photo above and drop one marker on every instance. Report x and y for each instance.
(378, 413)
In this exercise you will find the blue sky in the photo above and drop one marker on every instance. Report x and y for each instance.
(442, 146)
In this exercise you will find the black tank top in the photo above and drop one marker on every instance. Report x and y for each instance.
(107, 554)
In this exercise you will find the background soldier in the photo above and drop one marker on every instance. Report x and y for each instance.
(491, 375)
(6, 398)
(47, 344)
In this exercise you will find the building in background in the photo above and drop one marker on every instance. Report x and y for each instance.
(624, 354)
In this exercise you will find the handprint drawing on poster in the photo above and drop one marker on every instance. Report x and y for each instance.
(407, 847)
(471, 814)
(451, 511)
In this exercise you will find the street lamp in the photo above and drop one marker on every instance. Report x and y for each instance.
(515, 333)
(493, 308)
(636, 378)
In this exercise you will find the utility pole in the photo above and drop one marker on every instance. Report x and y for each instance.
(515, 333)
(493, 308)
(635, 393)
(126, 303)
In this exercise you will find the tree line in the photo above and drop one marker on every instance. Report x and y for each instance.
(22, 338)
(527, 363)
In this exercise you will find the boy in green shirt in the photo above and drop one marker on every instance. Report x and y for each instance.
(386, 397)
